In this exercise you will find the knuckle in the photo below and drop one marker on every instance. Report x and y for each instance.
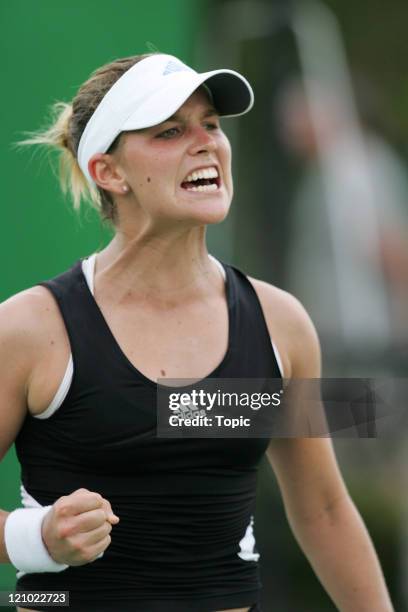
(108, 541)
(62, 507)
(100, 516)
(97, 498)
(59, 503)
(63, 531)
(60, 500)
(105, 531)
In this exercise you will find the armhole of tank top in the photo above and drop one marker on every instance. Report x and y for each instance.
(278, 358)
(88, 267)
(274, 347)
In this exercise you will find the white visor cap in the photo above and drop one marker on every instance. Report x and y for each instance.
(152, 91)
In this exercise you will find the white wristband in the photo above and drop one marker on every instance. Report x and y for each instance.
(24, 543)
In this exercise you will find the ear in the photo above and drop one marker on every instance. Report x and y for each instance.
(106, 173)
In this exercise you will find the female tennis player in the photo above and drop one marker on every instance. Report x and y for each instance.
(119, 517)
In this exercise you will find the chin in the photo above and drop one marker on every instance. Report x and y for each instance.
(210, 212)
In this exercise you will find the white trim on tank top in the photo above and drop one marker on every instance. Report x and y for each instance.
(88, 268)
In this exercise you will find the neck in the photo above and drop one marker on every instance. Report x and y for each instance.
(174, 263)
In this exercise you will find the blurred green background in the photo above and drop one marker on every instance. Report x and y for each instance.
(50, 48)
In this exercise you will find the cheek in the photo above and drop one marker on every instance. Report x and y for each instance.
(159, 170)
(225, 150)
(149, 177)
(157, 182)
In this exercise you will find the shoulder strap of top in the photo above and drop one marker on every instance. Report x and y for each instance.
(89, 335)
(250, 332)
(66, 289)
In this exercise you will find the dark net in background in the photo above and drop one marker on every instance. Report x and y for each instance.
(286, 228)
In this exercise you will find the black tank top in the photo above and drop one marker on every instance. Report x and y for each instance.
(184, 505)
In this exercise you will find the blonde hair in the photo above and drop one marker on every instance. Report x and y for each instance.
(68, 123)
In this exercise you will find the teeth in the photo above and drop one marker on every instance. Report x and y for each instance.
(204, 173)
(212, 187)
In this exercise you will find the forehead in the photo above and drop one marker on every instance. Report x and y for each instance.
(199, 101)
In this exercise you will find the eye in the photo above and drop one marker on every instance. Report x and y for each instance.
(212, 125)
(170, 133)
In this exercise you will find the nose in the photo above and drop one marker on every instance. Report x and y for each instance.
(202, 141)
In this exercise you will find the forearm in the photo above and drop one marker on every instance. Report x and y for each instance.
(3, 553)
(342, 555)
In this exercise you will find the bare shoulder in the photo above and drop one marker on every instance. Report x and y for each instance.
(27, 315)
(30, 323)
(291, 329)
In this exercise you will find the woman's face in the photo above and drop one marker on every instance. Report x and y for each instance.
(180, 169)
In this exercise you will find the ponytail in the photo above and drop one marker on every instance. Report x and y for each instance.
(57, 137)
(65, 131)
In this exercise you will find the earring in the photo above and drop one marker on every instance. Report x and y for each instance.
(125, 188)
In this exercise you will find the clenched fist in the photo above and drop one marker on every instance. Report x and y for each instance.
(76, 529)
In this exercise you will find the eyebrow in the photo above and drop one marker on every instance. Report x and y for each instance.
(208, 113)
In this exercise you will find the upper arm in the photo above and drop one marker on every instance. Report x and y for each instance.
(305, 466)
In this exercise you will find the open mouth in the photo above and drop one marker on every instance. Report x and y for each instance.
(203, 179)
